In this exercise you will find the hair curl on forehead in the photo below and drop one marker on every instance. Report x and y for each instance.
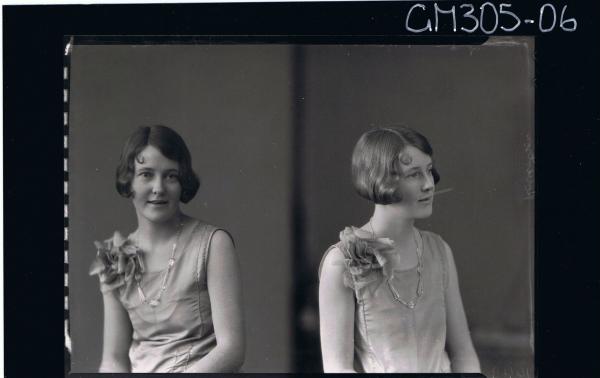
(377, 162)
(170, 144)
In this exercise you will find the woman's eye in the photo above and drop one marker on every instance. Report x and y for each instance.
(173, 177)
(145, 174)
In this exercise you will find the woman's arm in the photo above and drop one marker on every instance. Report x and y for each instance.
(117, 336)
(336, 312)
(458, 341)
(225, 292)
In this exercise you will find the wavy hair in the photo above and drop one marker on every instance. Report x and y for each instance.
(376, 165)
(171, 145)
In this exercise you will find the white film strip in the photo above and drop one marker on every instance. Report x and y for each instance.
(66, 86)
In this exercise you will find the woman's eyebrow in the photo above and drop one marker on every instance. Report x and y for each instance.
(428, 165)
(418, 167)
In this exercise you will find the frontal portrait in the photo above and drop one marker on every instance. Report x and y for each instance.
(170, 145)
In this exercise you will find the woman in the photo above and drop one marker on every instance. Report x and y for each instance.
(388, 296)
(171, 290)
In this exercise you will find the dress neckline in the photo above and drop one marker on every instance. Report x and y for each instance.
(420, 246)
(178, 249)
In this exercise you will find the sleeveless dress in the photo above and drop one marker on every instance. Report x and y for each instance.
(390, 336)
(179, 330)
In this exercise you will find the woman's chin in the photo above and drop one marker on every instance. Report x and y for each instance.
(159, 217)
(424, 213)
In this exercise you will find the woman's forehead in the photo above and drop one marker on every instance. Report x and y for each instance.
(413, 157)
(151, 156)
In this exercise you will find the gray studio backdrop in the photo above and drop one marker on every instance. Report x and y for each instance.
(256, 117)
(476, 106)
(231, 105)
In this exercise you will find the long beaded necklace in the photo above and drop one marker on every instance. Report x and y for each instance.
(153, 302)
(419, 292)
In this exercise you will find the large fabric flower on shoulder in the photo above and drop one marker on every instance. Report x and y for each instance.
(117, 262)
(363, 253)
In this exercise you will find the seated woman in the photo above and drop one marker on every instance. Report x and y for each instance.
(388, 296)
(171, 289)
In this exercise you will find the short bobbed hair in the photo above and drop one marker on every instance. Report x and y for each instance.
(377, 166)
(171, 145)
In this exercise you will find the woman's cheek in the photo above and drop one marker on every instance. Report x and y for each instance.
(410, 195)
(176, 189)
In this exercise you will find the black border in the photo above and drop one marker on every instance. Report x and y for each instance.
(567, 123)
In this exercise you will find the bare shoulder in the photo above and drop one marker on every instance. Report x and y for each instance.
(222, 254)
(333, 262)
(221, 239)
(221, 247)
(333, 256)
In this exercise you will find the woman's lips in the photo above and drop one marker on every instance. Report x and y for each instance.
(426, 200)
(158, 202)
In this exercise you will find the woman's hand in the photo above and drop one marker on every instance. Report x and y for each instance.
(336, 313)
(225, 292)
(117, 336)
(458, 339)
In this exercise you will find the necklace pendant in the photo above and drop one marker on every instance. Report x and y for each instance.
(154, 302)
(411, 304)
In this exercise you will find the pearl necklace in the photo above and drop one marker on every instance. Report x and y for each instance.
(419, 292)
(153, 302)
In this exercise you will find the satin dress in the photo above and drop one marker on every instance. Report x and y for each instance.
(179, 330)
(390, 336)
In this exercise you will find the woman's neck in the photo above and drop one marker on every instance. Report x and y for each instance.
(154, 233)
(389, 222)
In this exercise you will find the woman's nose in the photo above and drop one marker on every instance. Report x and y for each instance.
(428, 183)
(158, 185)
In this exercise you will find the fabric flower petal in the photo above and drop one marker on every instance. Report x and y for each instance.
(348, 281)
(117, 262)
(118, 239)
(129, 249)
(121, 263)
(363, 254)
(129, 270)
(112, 285)
(140, 263)
(97, 267)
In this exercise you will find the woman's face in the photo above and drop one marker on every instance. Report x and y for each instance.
(155, 186)
(416, 183)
